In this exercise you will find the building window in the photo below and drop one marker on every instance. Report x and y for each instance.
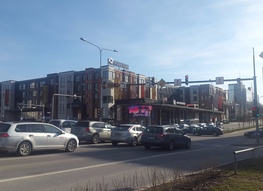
(107, 99)
(42, 83)
(96, 75)
(32, 85)
(89, 76)
(105, 75)
(194, 91)
(77, 78)
(195, 98)
(34, 93)
(88, 87)
(83, 87)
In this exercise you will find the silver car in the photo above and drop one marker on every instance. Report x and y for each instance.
(64, 124)
(127, 133)
(92, 131)
(24, 137)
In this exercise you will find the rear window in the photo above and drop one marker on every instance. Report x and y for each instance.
(122, 128)
(82, 124)
(56, 123)
(154, 129)
(4, 127)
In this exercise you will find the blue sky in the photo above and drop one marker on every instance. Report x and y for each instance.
(165, 39)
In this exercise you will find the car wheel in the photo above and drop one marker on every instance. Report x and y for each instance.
(24, 149)
(171, 146)
(148, 147)
(114, 143)
(95, 139)
(71, 146)
(215, 134)
(133, 142)
(188, 144)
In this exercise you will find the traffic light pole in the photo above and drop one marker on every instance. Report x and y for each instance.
(255, 96)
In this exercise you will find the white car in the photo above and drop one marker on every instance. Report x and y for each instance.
(24, 137)
(127, 133)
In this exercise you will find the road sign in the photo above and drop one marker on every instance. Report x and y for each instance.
(161, 83)
(219, 80)
(112, 85)
(177, 82)
(123, 85)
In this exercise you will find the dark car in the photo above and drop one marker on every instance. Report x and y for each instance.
(209, 130)
(253, 134)
(165, 137)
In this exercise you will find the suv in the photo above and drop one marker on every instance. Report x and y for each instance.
(23, 137)
(64, 124)
(92, 131)
(165, 137)
(127, 133)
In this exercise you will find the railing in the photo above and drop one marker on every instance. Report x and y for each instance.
(242, 151)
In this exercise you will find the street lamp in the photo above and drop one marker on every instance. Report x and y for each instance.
(64, 95)
(100, 83)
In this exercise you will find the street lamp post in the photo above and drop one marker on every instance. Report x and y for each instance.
(63, 95)
(100, 83)
(255, 96)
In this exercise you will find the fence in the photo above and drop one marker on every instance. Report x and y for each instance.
(242, 151)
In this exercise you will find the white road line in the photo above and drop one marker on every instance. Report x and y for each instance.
(84, 168)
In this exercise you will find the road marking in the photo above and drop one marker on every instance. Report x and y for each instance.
(84, 168)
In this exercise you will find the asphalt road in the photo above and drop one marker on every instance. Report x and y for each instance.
(107, 166)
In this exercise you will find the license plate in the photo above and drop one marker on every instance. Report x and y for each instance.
(151, 138)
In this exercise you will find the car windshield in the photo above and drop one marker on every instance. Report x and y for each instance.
(154, 129)
(122, 128)
(4, 127)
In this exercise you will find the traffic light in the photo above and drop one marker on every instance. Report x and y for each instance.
(152, 81)
(255, 111)
(103, 112)
(98, 112)
(186, 80)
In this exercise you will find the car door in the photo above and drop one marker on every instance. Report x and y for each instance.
(37, 135)
(108, 128)
(139, 130)
(179, 137)
(55, 137)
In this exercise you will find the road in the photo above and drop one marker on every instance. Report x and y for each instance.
(109, 167)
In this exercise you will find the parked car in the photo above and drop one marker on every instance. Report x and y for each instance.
(253, 134)
(24, 137)
(165, 137)
(190, 129)
(127, 133)
(220, 124)
(183, 126)
(64, 124)
(92, 131)
(209, 130)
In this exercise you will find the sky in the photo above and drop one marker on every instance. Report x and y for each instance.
(163, 39)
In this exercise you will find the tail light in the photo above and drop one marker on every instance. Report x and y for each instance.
(4, 135)
(87, 129)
